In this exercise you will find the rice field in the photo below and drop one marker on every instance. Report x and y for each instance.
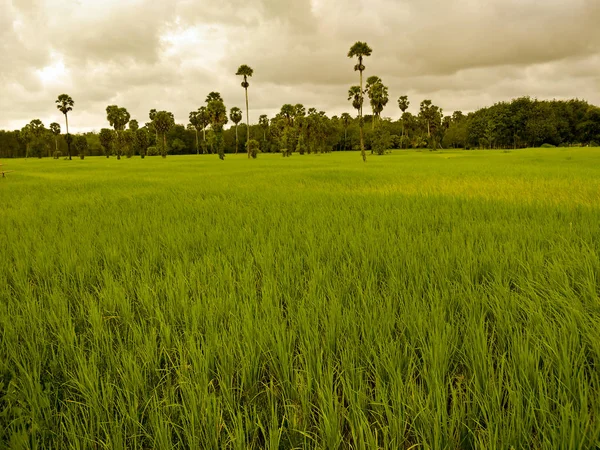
(446, 300)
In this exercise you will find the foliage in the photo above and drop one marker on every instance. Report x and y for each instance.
(81, 145)
(106, 140)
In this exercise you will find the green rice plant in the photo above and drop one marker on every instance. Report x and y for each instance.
(424, 300)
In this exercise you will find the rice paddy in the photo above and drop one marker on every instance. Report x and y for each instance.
(435, 300)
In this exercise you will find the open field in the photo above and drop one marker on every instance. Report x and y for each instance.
(421, 300)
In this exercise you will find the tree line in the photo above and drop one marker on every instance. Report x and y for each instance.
(520, 123)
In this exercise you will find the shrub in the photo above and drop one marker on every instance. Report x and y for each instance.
(57, 154)
(153, 151)
(548, 146)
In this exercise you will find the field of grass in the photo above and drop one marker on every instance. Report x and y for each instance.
(422, 300)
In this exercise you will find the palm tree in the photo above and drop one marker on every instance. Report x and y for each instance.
(346, 118)
(203, 122)
(360, 50)
(152, 116)
(403, 104)
(118, 118)
(55, 128)
(246, 71)
(65, 104)
(217, 114)
(263, 121)
(236, 117)
(163, 122)
(194, 121)
(378, 96)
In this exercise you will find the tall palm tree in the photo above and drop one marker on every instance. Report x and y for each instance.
(346, 118)
(263, 121)
(55, 128)
(360, 50)
(196, 126)
(403, 104)
(203, 122)
(217, 114)
(65, 104)
(246, 71)
(236, 117)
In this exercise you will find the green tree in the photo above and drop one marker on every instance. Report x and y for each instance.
(81, 145)
(38, 142)
(55, 129)
(65, 104)
(195, 123)
(142, 141)
(163, 122)
(263, 121)
(346, 119)
(236, 117)
(118, 118)
(246, 72)
(106, 140)
(203, 122)
(431, 116)
(360, 50)
(134, 125)
(152, 116)
(217, 114)
(403, 104)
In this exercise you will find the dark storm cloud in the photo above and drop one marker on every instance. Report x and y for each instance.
(141, 54)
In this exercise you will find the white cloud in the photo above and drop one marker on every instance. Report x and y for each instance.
(141, 54)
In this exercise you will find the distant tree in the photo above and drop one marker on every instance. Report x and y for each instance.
(55, 129)
(163, 122)
(217, 114)
(152, 116)
(346, 119)
(81, 145)
(403, 104)
(38, 138)
(254, 148)
(195, 123)
(142, 141)
(263, 121)
(118, 118)
(106, 140)
(203, 122)
(134, 125)
(360, 50)
(236, 117)
(378, 96)
(431, 117)
(65, 104)
(246, 72)
(214, 96)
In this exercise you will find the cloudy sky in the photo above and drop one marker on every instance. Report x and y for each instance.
(168, 54)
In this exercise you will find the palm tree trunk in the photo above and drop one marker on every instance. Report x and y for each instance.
(204, 139)
(69, 140)
(362, 140)
(345, 138)
(236, 139)
(247, 121)
(55, 143)
(197, 144)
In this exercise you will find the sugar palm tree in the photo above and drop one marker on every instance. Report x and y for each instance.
(65, 104)
(403, 104)
(360, 50)
(203, 122)
(246, 72)
(195, 123)
(55, 128)
(345, 118)
(236, 117)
